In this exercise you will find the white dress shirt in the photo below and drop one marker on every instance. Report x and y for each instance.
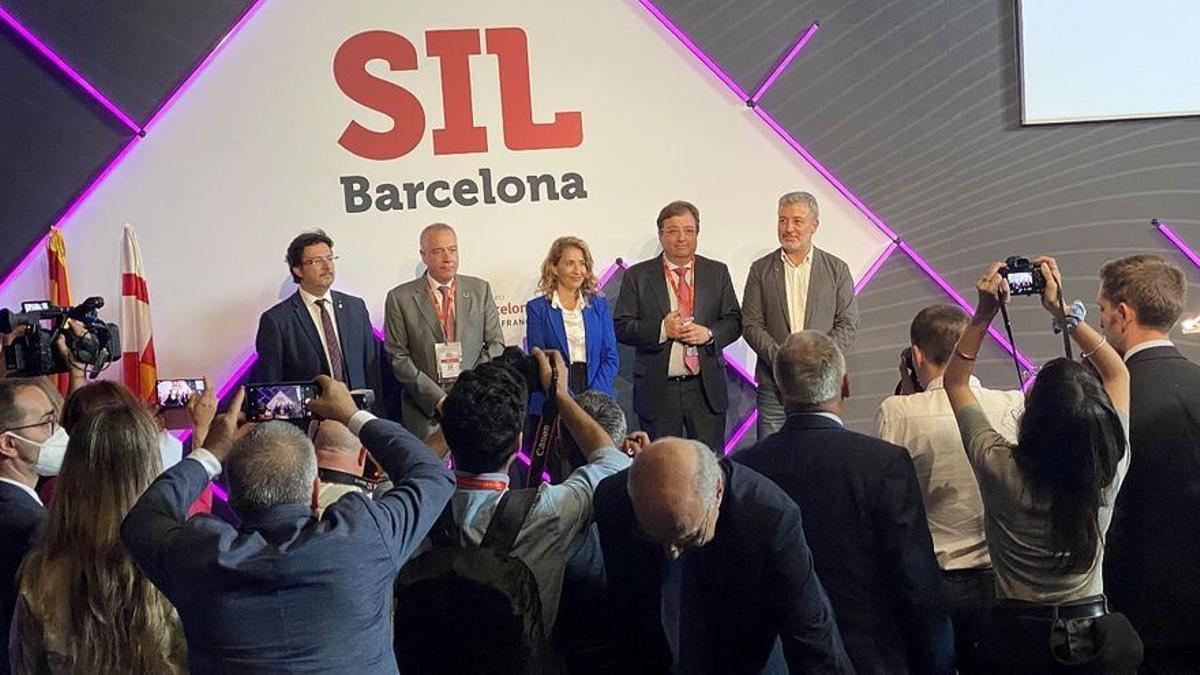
(924, 424)
(314, 310)
(795, 283)
(573, 325)
(676, 366)
(1148, 344)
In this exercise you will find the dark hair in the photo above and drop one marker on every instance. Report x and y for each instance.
(678, 208)
(1153, 287)
(1068, 446)
(10, 414)
(95, 396)
(482, 417)
(295, 250)
(936, 330)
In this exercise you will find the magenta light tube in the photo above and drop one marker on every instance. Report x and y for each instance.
(691, 46)
(203, 65)
(741, 431)
(219, 492)
(874, 268)
(801, 42)
(739, 369)
(67, 70)
(618, 264)
(1177, 241)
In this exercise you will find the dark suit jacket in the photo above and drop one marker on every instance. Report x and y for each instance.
(643, 303)
(1152, 553)
(20, 519)
(830, 306)
(753, 583)
(544, 328)
(290, 350)
(865, 522)
(285, 591)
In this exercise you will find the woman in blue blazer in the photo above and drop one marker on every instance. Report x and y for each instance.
(572, 317)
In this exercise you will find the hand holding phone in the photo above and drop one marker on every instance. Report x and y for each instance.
(279, 401)
(176, 393)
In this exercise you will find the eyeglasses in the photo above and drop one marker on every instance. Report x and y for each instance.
(317, 261)
(47, 419)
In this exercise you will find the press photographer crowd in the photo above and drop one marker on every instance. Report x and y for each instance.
(498, 514)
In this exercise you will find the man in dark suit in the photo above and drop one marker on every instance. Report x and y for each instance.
(678, 311)
(793, 288)
(317, 331)
(1152, 553)
(29, 447)
(864, 517)
(708, 570)
(286, 592)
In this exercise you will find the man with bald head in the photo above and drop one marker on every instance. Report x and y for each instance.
(341, 461)
(708, 569)
(864, 517)
(437, 325)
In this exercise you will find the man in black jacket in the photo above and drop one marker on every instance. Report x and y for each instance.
(864, 517)
(286, 592)
(708, 569)
(1152, 553)
(678, 311)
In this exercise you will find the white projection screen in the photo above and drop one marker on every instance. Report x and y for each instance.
(1092, 60)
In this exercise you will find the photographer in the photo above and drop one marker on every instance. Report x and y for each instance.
(1048, 499)
(482, 419)
(285, 591)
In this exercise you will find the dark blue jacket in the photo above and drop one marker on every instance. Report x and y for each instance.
(289, 346)
(751, 586)
(865, 522)
(544, 328)
(285, 591)
(21, 516)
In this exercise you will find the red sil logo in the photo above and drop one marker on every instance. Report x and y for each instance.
(460, 135)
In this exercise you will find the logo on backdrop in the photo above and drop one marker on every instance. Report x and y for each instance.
(460, 135)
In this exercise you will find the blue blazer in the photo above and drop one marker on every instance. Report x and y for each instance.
(544, 328)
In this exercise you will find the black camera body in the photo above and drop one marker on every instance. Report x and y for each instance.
(1024, 276)
(33, 353)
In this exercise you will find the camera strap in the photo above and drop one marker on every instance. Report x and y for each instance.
(1011, 341)
(544, 439)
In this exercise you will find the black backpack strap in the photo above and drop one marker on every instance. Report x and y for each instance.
(443, 531)
(508, 518)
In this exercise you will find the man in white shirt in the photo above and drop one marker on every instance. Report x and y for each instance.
(793, 288)
(921, 421)
(316, 330)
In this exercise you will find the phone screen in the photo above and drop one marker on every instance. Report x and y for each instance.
(176, 393)
(286, 401)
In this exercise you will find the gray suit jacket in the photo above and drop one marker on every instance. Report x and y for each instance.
(831, 307)
(413, 328)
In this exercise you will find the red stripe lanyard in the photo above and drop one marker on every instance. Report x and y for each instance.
(443, 312)
(672, 276)
(470, 483)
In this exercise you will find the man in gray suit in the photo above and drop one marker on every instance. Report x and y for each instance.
(793, 288)
(438, 324)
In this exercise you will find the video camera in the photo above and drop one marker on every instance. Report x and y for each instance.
(33, 353)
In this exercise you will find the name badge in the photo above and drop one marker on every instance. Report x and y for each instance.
(449, 359)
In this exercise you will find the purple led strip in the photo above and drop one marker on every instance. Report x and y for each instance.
(801, 42)
(741, 431)
(112, 164)
(67, 70)
(1177, 241)
(875, 267)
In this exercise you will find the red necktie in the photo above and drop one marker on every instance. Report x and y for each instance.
(683, 293)
(336, 364)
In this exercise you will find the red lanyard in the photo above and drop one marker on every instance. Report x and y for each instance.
(471, 483)
(443, 312)
(672, 276)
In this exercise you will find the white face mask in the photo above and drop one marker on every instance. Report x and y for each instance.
(50, 451)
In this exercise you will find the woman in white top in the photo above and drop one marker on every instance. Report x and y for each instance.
(1048, 499)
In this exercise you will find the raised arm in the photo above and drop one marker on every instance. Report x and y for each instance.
(992, 290)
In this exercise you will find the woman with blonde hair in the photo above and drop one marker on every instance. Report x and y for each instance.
(84, 607)
(571, 316)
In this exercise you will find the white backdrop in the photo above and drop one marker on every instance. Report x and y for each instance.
(249, 157)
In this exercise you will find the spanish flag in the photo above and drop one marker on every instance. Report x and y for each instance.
(60, 284)
(138, 368)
